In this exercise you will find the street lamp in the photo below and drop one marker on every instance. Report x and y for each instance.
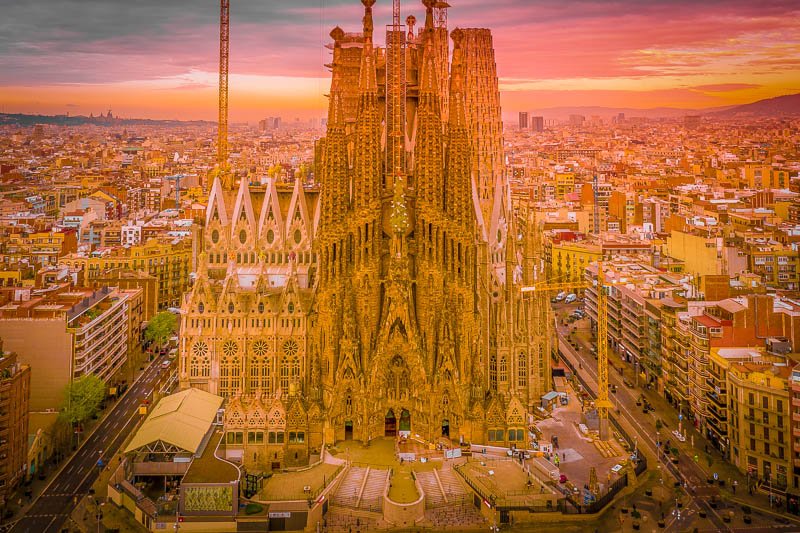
(98, 512)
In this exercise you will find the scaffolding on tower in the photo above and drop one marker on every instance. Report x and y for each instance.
(395, 97)
(440, 14)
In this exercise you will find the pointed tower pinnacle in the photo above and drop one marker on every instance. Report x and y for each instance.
(459, 168)
(429, 172)
(367, 157)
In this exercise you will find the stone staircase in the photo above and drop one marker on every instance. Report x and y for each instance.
(434, 497)
(374, 489)
(348, 492)
(451, 484)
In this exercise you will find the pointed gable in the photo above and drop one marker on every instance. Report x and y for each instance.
(256, 415)
(216, 205)
(271, 218)
(243, 209)
(234, 414)
(476, 205)
(498, 226)
(297, 217)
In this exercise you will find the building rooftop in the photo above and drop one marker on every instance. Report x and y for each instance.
(208, 468)
(182, 419)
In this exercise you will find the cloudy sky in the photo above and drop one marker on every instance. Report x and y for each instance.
(158, 58)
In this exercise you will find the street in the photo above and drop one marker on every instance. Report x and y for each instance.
(705, 499)
(50, 510)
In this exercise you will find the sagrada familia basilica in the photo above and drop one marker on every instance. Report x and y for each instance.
(385, 299)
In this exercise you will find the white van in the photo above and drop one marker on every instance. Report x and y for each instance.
(570, 298)
(560, 296)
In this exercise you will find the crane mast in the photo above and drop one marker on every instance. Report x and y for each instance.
(602, 401)
(224, 49)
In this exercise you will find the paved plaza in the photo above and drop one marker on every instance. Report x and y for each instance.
(578, 452)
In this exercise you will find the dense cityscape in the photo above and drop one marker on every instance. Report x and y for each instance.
(411, 313)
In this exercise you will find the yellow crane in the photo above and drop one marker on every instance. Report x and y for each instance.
(602, 402)
(222, 127)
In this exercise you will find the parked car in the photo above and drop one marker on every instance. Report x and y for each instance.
(562, 478)
(570, 298)
(560, 296)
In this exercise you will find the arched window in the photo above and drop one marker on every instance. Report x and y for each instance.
(503, 369)
(493, 372)
(522, 370)
(224, 376)
(285, 375)
(294, 369)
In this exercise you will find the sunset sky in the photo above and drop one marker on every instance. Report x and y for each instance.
(158, 59)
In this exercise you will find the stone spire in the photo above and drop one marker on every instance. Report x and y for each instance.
(459, 186)
(367, 156)
(429, 151)
(334, 194)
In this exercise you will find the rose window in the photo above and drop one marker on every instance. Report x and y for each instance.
(260, 348)
(290, 348)
(230, 348)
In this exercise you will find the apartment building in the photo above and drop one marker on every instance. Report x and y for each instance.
(720, 361)
(760, 433)
(794, 387)
(168, 260)
(674, 366)
(15, 391)
(636, 295)
(567, 259)
(64, 333)
(776, 263)
(39, 248)
(735, 322)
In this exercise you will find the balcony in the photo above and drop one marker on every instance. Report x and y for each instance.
(715, 384)
(719, 401)
(720, 428)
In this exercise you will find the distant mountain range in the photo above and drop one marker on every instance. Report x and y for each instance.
(21, 119)
(788, 105)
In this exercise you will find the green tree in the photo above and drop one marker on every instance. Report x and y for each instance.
(82, 399)
(160, 328)
(275, 171)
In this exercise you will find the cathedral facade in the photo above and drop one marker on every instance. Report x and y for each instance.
(386, 300)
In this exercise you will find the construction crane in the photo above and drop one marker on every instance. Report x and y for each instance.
(602, 402)
(224, 51)
(177, 179)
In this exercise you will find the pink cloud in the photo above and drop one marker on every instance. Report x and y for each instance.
(724, 87)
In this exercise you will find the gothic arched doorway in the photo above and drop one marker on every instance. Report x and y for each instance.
(390, 424)
(445, 428)
(348, 430)
(405, 423)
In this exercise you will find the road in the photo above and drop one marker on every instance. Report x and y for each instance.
(644, 430)
(73, 481)
(643, 427)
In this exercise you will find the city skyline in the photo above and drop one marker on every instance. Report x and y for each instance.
(154, 60)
